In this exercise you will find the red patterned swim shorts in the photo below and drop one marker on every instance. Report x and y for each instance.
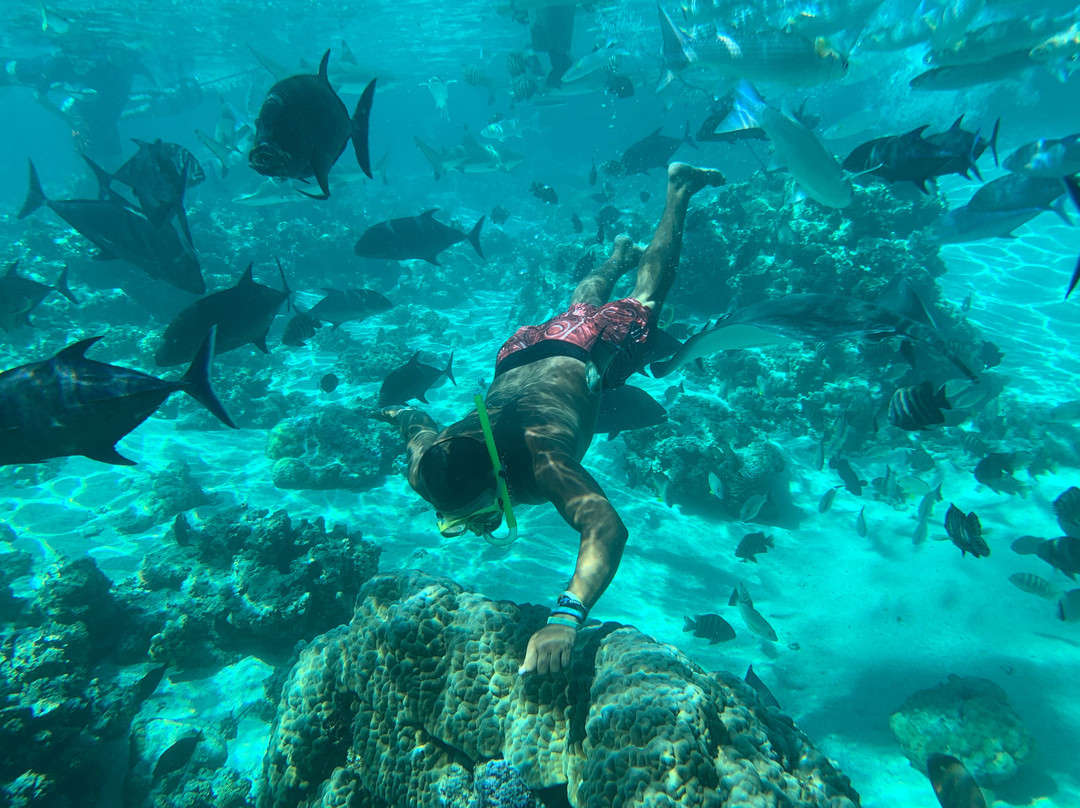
(622, 322)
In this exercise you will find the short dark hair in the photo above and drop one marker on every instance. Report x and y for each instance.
(454, 472)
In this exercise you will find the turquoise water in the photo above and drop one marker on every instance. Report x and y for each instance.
(863, 621)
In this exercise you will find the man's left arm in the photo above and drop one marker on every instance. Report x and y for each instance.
(582, 503)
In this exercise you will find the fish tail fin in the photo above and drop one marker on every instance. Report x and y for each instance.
(743, 113)
(103, 177)
(688, 139)
(285, 286)
(324, 65)
(361, 121)
(688, 624)
(35, 197)
(1058, 207)
(993, 141)
(432, 156)
(677, 50)
(62, 287)
(474, 236)
(450, 369)
(1074, 191)
(196, 381)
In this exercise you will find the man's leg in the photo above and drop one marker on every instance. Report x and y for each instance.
(595, 288)
(656, 271)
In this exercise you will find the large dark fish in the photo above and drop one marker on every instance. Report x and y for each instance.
(177, 755)
(1067, 511)
(909, 157)
(1020, 192)
(711, 627)
(918, 407)
(1062, 553)
(242, 315)
(119, 231)
(1056, 158)
(303, 127)
(414, 237)
(810, 317)
(19, 296)
(995, 471)
(625, 408)
(953, 783)
(967, 147)
(159, 174)
(652, 151)
(349, 305)
(71, 405)
(412, 380)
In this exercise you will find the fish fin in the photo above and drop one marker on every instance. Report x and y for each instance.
(322, 176)
(103, 177)
(76, 350)
(433, 259)
(260, 341)
(323, 64)
(284, 285)
(181, 217)
(35, 197)
(421, 398)
(688, 624)
(62, 286)
(474, 236)
(427, 214)
(677, 50)
(450, 369)
(361, 121)
(993, 142)
(1058, 207)
(196, 381)
(108, 454)
(246, 279)
(741, 117)
(688, 139)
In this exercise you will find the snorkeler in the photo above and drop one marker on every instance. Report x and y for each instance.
(92, 82)
(524, 444)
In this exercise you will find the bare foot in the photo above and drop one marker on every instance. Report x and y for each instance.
(626, 253)
(688, 179)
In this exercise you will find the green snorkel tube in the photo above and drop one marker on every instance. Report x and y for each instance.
(501, 491)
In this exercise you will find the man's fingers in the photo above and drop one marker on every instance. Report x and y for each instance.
(564, 658)
(529, 665)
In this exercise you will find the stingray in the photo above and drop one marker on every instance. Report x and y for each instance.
(807, 317)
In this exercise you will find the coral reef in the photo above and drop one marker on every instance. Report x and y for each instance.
(969, 718)
(334, 447)
(170, 492)
(423, 684)
(678, 467)
(248, 581)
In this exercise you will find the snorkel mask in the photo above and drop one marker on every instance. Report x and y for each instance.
(484, 520)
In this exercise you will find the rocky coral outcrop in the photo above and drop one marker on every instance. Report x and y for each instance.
(333, 447)
(424, 680)
(969, 718)
(248, 580)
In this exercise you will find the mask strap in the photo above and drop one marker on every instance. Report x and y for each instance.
(500, 479)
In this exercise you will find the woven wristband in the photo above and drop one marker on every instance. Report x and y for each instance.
(568, 602)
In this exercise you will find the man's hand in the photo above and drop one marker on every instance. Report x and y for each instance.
(549, 650)
(388, 415)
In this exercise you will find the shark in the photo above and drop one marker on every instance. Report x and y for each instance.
(807, 317)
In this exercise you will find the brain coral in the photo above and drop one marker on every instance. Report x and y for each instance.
(424, 681)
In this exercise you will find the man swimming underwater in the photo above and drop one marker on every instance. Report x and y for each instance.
(524, 443)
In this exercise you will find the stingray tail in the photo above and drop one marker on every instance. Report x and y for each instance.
(361, 121)
(196, 382)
